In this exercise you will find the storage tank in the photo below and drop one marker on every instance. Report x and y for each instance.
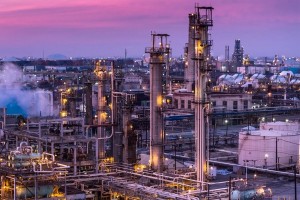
(30, 156)
(28, 192)
(243, 195)
(248, 194)
(258, 148)
(18, 164)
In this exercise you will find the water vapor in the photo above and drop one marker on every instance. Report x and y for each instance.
(19, 100)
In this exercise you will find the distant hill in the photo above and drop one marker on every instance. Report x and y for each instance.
(10, 59)
(57, 56)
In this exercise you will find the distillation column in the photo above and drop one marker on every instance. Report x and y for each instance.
(202, 55)
(88, 90)
(189, 70)
(129, 139)
(101, 113)
(157, 61)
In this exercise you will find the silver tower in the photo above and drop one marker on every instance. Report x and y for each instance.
(201, 58)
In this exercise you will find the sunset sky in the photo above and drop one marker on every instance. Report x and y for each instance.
(105, 28)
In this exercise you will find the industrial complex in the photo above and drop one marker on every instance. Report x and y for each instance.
(158, 127)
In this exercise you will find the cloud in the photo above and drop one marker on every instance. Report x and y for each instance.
(121, 23)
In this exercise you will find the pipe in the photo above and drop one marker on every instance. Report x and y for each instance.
(21, 143)
(105, 138)
(48, 154)
(29, 136)
(61, 166)
(222, 157)
(154, 178)
(258, 169)
(86, 132)
(15, 192)
(148, 174)
(41, 171)
(226, 151)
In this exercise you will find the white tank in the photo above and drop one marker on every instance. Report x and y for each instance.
(243, 195)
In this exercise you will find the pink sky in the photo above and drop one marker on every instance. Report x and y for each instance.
(106, 27)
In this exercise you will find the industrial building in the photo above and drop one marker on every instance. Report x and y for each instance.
(220, 101)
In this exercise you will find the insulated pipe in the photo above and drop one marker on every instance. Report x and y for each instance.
(257, 169)
(153, 178)
(158, 175)
(41, 171)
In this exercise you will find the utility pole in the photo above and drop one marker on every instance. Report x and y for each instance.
(214, 133)
(295, 180)
(175, 159)
(246, 170)
(229, 188)
(276, 154)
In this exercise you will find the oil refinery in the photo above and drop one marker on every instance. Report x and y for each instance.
(153, 128)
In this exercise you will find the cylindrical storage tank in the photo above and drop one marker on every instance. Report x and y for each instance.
(235, 195)
(18, 164)
(243, 195)
(272, 142)
(42, 191)
(30, 156)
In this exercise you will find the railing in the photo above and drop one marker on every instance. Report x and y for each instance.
(157, 50)
(204, 43)
(203, 21)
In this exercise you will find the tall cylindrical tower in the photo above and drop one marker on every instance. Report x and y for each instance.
(201, 57)
(189, 70)
(88, 103)
(101, 72)
(157, 61)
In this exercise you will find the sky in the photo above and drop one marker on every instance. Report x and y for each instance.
(105, 28)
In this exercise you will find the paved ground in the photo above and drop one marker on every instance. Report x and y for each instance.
(282, 187)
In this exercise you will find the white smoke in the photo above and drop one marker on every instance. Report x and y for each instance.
(31, 102)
